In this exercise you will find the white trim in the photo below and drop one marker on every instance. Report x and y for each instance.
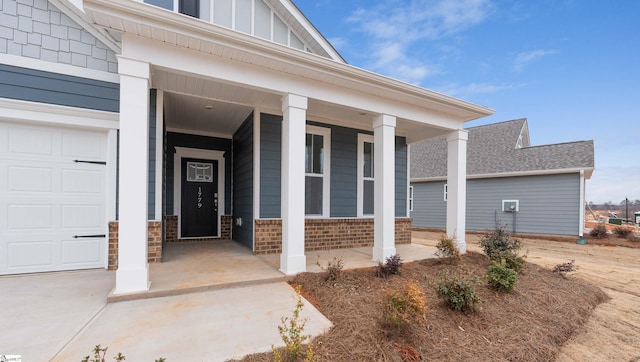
(410, 201)
(326, 174)
(55, 114)
(582, 205)
(516, 202)
(445, 192)
(184, 152)
(256, 171)
(362, 138)
(159, 153)
(200, 133)
(409, 187)
(112, 185)
(587, 171)
(60, 68)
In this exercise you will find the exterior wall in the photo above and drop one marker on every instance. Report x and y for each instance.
(154, 251)
(243, 183)
(199, 142)
(326, 234)
(37, 29)
(151, 200)
(549, 204)
(171, 230)
(344, 177)
(45, 87)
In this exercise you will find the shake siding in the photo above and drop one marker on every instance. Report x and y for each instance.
(65, 90)
(197, 142)
(549, 204)
(243, 183)
(270, 157)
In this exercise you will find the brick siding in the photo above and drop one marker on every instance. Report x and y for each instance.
(324, 234)
(171, 230)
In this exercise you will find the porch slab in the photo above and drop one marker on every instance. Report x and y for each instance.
(200, 266)
(355, 258)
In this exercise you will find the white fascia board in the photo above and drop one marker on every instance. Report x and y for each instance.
(74, 10)
(587, 171)
(383, 90)
(59, 68)
(11, 109)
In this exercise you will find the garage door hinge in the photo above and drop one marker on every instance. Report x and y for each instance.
(93, 162)
(89, 236)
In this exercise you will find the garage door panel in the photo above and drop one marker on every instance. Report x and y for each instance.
(81, 251)
(31, 140)
(82, 216)
(30, 179)
(78, 144)
(34, 254)
(83, 181)
(21, 217)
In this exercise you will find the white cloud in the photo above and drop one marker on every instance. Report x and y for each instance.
(525, 58)
(395, 27)
(467, 90)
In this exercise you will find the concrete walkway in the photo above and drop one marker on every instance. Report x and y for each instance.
(207, 303)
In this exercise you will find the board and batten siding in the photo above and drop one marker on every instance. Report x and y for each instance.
(151, 200)
(174, 140)
(344, 177)
(53, 88)
(243, 183)
(549, 204)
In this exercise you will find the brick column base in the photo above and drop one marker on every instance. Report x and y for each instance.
(154, 248)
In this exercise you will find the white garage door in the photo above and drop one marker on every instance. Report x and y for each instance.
(52, 199)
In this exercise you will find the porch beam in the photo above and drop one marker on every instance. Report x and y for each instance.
(457, 187)
(384, 243)
(294, 110)
(133, 269)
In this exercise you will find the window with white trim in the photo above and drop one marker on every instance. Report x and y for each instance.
(410, 198)
(317, 167)
(365, 175)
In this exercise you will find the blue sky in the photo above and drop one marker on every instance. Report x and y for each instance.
(572, 68)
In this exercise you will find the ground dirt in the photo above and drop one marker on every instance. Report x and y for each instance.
(590, 315)
(613, 331)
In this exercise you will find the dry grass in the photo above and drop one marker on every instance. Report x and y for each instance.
(530, 324)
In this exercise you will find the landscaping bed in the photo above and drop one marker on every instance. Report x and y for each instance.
(529, 324)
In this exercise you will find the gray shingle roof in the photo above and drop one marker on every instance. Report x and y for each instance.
(491, 149)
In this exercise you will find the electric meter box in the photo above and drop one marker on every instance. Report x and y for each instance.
(510, 205)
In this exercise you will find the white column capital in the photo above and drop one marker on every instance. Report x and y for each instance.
(133, 68)
(458, 135)
(291, 100)
(384, 120)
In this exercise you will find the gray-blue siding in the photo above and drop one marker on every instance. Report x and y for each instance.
(151, 202)
(549, 204)
(65, 90)
(344, 159)
(199, 142)
(243, 183)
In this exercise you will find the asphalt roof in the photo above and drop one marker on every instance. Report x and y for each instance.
(491, 149)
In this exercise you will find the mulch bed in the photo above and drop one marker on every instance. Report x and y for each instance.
(529, 324)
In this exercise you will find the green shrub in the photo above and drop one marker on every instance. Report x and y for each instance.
(402, 307)
(333, 269)
(390, 267)
(458, 292)
(599, 231)
(501, 278)
(99, 354)
(292, 334)
(500, 246)
(447, 249)
(622, 232)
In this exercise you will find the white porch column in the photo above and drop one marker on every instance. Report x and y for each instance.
(457, 187)
(133, 269)
(384, 219)
(294, 109)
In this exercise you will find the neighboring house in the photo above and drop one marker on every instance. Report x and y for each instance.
(125, 125)
(530, 189)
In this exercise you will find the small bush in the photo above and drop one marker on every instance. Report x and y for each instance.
(501, 278)
(500, 246)
(333, 269)
(622, 232)
(400, 308)
(565, 268)
(99, 354)
(292, 334)
(458, 292)
(599, 231)
(447, 249)
(390, 267)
